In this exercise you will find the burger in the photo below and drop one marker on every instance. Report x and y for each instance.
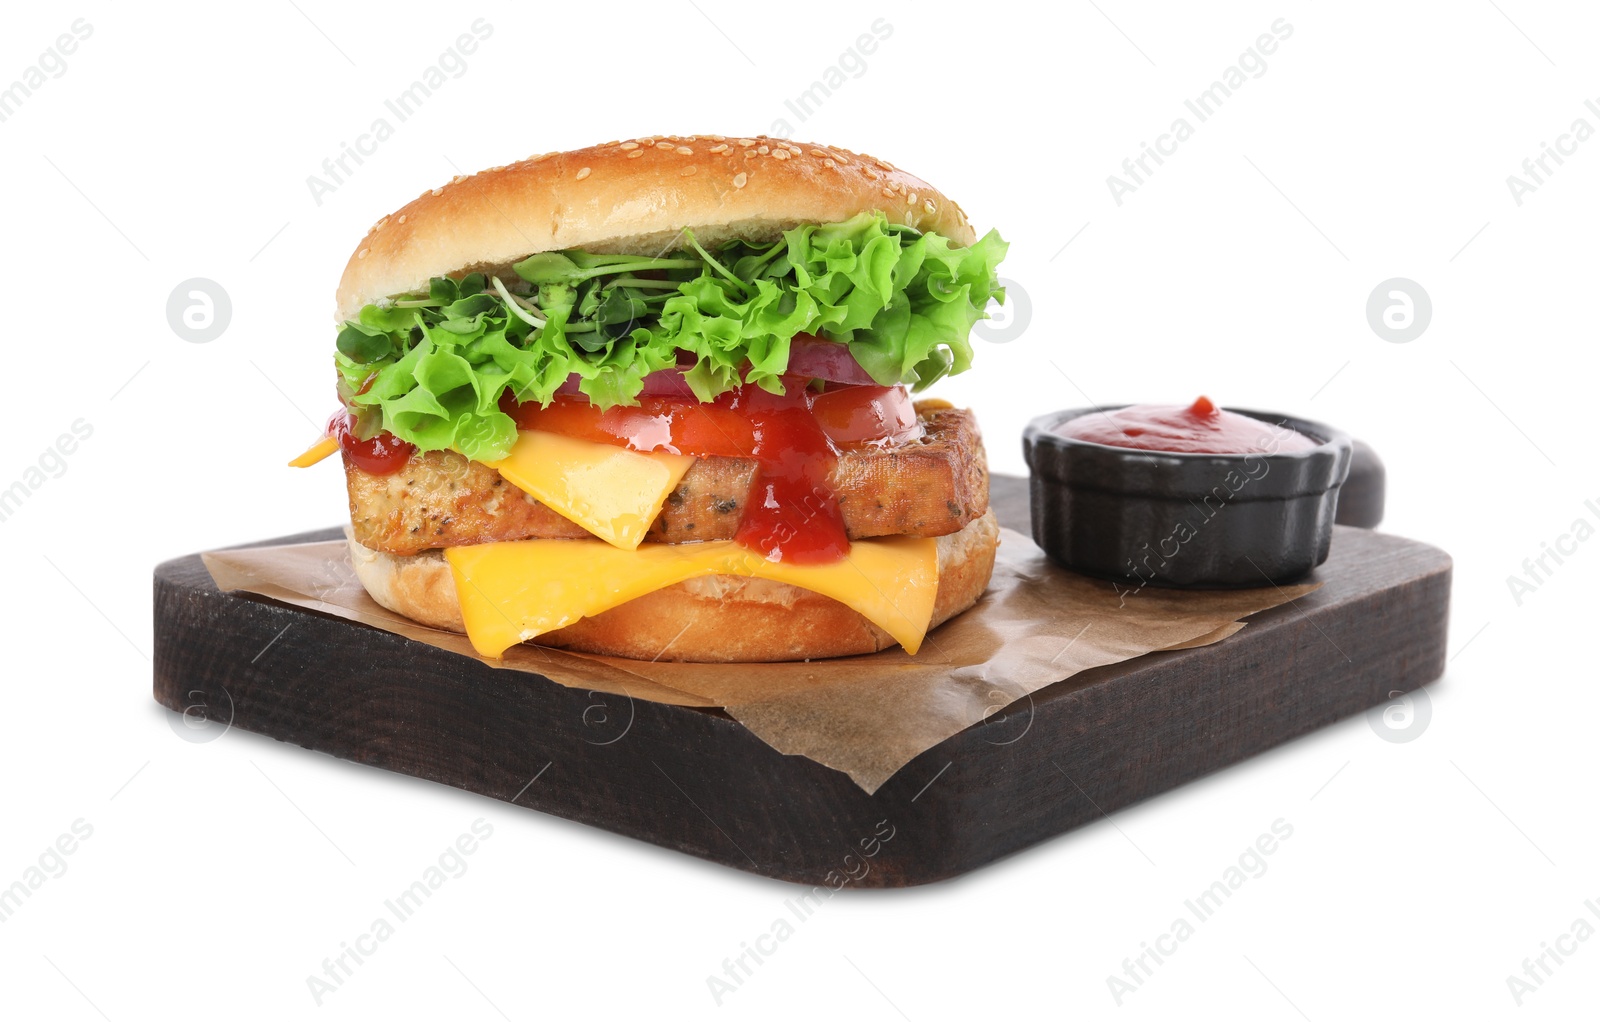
(653, 399)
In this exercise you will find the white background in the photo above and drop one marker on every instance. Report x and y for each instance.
(1376, 144)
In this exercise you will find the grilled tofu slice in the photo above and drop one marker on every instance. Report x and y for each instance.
(932, 486)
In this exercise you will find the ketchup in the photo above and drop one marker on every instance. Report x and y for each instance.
(1200, 428)
(382, 455)
(791, 513)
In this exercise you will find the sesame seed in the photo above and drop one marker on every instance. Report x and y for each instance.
(720, 148)
(361, 254)
(684, 150)
(630, 145)
(663, 145)
(840, 160)
(437, 191)
(929, 206)
(583, 173)
(912, 198)
(687, 171)
(884, 164)
(739, 180)
(636, 154)
(747, 142)
(819, 153)
(888, 192)
(780, 154)
(794, 149)
(402, 218)
(763, 150)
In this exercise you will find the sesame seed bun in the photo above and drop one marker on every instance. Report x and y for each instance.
(633, 198)
(715, 619)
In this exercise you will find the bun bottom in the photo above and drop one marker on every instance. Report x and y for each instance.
(715, 619)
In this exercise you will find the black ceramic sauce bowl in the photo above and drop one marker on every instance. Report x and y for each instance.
(1157, 518)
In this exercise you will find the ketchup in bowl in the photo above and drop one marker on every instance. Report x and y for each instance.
(1200, 428)
(1184, 496)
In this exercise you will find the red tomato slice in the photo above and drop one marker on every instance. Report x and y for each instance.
(866, 415)
(849, 415)
(384, 454)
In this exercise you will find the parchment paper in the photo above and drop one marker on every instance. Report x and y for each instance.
(867, 716)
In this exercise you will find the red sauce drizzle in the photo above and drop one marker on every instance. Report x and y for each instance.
(384, 454)
(791, 513)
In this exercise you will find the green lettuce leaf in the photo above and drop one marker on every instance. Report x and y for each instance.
(432, 366)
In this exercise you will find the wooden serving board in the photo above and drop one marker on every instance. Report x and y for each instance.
(697, 781)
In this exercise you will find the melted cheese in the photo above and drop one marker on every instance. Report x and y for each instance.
(611, 492)
(316, 452)
(512, 592)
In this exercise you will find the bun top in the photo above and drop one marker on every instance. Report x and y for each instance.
(634, 198)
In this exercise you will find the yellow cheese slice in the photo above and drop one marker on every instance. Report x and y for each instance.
(512, 592)
(316, 452)
(610, 491)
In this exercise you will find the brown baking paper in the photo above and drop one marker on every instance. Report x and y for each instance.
(867, 716)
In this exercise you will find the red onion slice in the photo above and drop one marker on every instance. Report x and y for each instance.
(825, 360)
(811, 357)
(661, 383)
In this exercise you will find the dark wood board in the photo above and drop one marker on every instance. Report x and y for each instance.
(697, 781)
